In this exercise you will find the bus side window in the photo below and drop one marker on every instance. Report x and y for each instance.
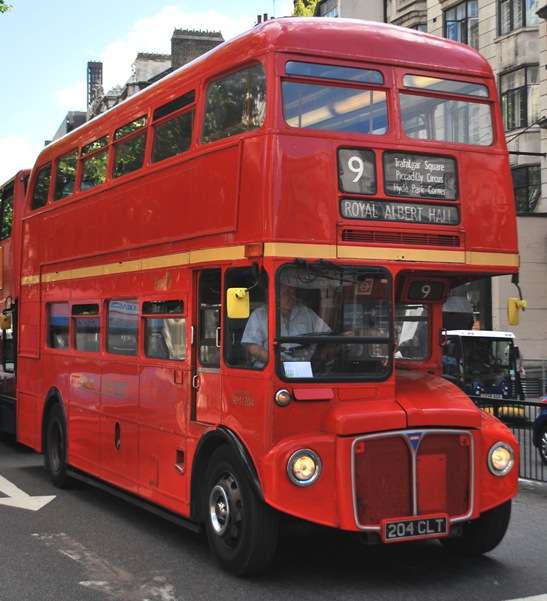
(123, 327)
(57, 325)
(254, 330)
(86, 327)
(235, 103)
(65, 177)
(7, 212)
(164, 330)
(41, 187)
(129, 145)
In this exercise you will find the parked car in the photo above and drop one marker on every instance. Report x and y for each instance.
(540, 431)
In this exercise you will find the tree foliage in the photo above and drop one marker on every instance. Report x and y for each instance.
(3, 6)
(305, 8)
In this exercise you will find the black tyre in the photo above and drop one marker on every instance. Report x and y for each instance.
(55, 446)
(483, 534)
(241, 530)
(542, 445)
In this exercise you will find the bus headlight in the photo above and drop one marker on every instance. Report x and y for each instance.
(304, 467)
(501, 459)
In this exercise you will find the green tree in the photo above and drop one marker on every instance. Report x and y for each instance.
(305, 8)
(3, 6)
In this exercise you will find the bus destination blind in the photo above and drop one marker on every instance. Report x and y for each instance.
(407, 212)
(419, 176)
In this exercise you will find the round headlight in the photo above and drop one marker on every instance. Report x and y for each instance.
(501, 459)
(304, 467)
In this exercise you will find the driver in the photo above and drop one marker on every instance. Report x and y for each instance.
(296, 320)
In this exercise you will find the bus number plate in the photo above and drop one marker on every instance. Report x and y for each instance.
(414, 528)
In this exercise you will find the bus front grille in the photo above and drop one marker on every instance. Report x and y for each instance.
(418, 472)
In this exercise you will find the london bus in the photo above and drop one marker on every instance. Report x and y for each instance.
(215, 272)
(12, 197)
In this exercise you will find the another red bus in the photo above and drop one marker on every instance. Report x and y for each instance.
(12, 198)
(232, 286)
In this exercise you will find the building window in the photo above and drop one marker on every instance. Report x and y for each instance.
(520, 97)
(420, 27)
(527, 187)
(514, 14)
(461, 23)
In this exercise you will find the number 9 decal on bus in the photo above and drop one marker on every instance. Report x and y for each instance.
(356, 171)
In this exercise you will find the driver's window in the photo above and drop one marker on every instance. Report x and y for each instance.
(246, 340)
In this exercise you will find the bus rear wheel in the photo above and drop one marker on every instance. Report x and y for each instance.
(55, 446)
(241, 529)
(483, 534)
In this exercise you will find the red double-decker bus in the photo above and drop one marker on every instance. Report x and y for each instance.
(231, 291)
(12, 198)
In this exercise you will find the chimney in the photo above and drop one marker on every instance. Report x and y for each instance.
(188, 44)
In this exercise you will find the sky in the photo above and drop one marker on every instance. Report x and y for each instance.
(45, 47)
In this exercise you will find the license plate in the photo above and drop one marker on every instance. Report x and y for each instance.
(414, 528)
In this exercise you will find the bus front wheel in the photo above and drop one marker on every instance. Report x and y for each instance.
(55, 446)
(483, 534)
(241, 529)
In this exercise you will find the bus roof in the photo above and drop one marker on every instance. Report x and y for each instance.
(481, 334)
(332, 38)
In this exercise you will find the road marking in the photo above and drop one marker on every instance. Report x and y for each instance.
(109, 579)
(536, 598)
(19, 498)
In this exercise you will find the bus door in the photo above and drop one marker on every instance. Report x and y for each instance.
(206, 386)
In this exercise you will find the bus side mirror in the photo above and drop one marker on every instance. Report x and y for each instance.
(5, 321)
(514, 305)
(238, 304)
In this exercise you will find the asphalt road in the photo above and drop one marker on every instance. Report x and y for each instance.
(86, 545)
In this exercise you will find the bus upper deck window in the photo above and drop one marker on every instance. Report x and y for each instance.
(451, 86)
(65, 177)
(130, 142)
(346, 109)
(6, 212)
(94, 163)
(41, 187)
(318, 105)
(235, 103)
(173, 135)
(336, 72)
(442, 119)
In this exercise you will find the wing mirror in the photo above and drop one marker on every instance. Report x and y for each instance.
(238, 304)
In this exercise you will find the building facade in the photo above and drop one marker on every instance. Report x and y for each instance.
(512, 36)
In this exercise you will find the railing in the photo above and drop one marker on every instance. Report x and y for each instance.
(520, 417)
(534, 382)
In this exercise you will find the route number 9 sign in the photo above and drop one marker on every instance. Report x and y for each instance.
(356, 171)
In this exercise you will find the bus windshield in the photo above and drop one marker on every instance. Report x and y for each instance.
(333, 322)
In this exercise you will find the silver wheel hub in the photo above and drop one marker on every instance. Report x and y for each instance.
(219, 510)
